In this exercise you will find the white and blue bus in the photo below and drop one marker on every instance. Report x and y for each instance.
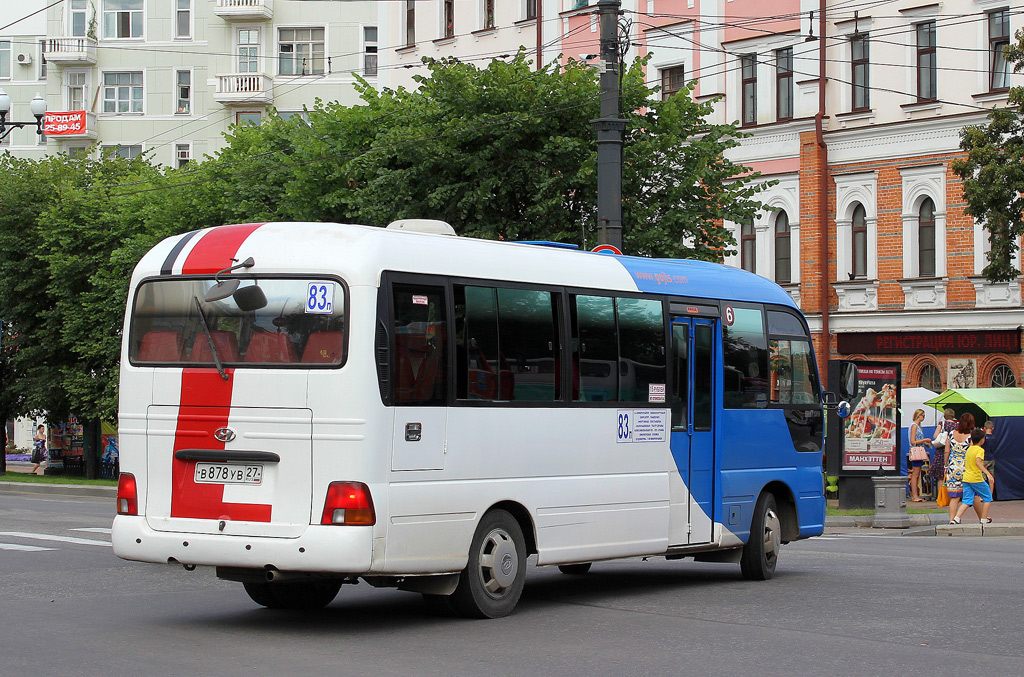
(304, 405)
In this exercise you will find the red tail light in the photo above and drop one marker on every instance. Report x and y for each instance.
(348, 503)
(127, 495)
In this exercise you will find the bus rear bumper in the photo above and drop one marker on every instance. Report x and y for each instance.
(339, 549)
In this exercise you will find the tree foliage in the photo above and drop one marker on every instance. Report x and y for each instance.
(502, 152)
(993, 175)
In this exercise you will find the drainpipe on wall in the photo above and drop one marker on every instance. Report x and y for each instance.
(540, 35)
(819, 129)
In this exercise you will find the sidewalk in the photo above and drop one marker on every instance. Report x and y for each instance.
(1007, 520)
(25, 467)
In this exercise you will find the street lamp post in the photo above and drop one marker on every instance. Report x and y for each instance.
(37, 106)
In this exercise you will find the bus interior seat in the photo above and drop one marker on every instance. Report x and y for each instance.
(272, 347)
(160, 346)
(323, 347)
(418, 360)
(226, 342)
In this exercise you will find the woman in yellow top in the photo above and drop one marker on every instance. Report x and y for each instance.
(975, 474)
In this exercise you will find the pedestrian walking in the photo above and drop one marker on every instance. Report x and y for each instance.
(39, 449)
(976, 489)
(956, 459)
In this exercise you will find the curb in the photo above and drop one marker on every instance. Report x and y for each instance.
(932, 525)
(58, 490)
(916, 520)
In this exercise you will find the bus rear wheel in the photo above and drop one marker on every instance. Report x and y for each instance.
(574, 569)
(304, 596)
(761, 552)
(491, 583)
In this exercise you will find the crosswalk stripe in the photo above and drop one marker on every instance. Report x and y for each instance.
(94, 530)
(48, 537)
(23, 548)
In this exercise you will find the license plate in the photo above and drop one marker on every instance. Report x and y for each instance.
(227, 473)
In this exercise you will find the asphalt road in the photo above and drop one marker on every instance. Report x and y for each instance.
(858, 603)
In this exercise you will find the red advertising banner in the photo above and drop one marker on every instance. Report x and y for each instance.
(870, 431)
(67, 122)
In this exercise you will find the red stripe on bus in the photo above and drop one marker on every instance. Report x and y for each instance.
(216, 248)
(205, 405)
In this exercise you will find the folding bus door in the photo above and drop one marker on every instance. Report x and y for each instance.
(693, 419)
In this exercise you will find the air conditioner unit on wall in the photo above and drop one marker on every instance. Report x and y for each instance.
(24, 58)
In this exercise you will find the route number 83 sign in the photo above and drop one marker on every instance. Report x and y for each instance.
(320, 298)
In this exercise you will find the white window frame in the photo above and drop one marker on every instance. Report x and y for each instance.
(6, 59)
(367, 46)
(178, 146)
(919, 183)
(311, 42)
(141, 147)
(258, 59)
(441, 35)
(72, 11)
(142, 21)
(483, 15)
(260, 112)
(191, 91)
(191, 19)
(103, 88)
(853, 189)
(67, 89)
(41, 73)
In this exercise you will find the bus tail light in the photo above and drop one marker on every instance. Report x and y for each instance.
(348, 503)
(127, 495)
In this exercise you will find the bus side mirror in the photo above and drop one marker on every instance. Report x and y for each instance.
(843, 409)
(250, 298)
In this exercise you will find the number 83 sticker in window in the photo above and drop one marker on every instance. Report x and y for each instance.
(320, 297)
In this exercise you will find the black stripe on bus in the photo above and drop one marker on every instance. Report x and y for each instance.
(175, 250)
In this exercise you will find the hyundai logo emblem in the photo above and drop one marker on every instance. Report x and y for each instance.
(224, 435)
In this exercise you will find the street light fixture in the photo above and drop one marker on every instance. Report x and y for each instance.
(37, 106)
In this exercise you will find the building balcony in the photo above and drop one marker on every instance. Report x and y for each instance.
(70, 50)
(241, 89)
(63, 133)
(245, 10)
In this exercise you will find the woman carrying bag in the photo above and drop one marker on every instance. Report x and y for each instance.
(937, 471)
(918, 455)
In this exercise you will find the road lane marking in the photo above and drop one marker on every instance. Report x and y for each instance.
(48, 537)
(94, 530)
(23, 548)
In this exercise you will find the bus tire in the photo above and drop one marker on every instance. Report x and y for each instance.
(262, 594)
(491, 583)
(304, 596)
(761, 551)
(574, 569)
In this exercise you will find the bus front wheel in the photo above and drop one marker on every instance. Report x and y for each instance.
(761, 552)
(491, 583)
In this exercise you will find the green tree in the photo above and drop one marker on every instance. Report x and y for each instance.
(993, 174)
(503, 152)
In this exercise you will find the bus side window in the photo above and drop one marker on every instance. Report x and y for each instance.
(745, 360)
(420, 329)
(595, 350)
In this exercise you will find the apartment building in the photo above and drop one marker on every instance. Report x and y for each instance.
(853, 111)
(169, 77)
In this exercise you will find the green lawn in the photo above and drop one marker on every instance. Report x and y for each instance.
(28, 478)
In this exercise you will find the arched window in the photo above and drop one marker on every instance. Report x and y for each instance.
(926, 239)
(747, 251)
(931, 378)
(1002, 377)
(860, 242)
(783, 254)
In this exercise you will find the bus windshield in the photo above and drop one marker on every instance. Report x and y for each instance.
(301, 324)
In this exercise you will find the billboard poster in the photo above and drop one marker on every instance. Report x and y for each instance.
(871, 431)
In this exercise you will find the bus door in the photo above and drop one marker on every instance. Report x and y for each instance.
(420, 363)
(693, 438)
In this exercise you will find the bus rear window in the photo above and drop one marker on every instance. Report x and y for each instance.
(293, 322)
